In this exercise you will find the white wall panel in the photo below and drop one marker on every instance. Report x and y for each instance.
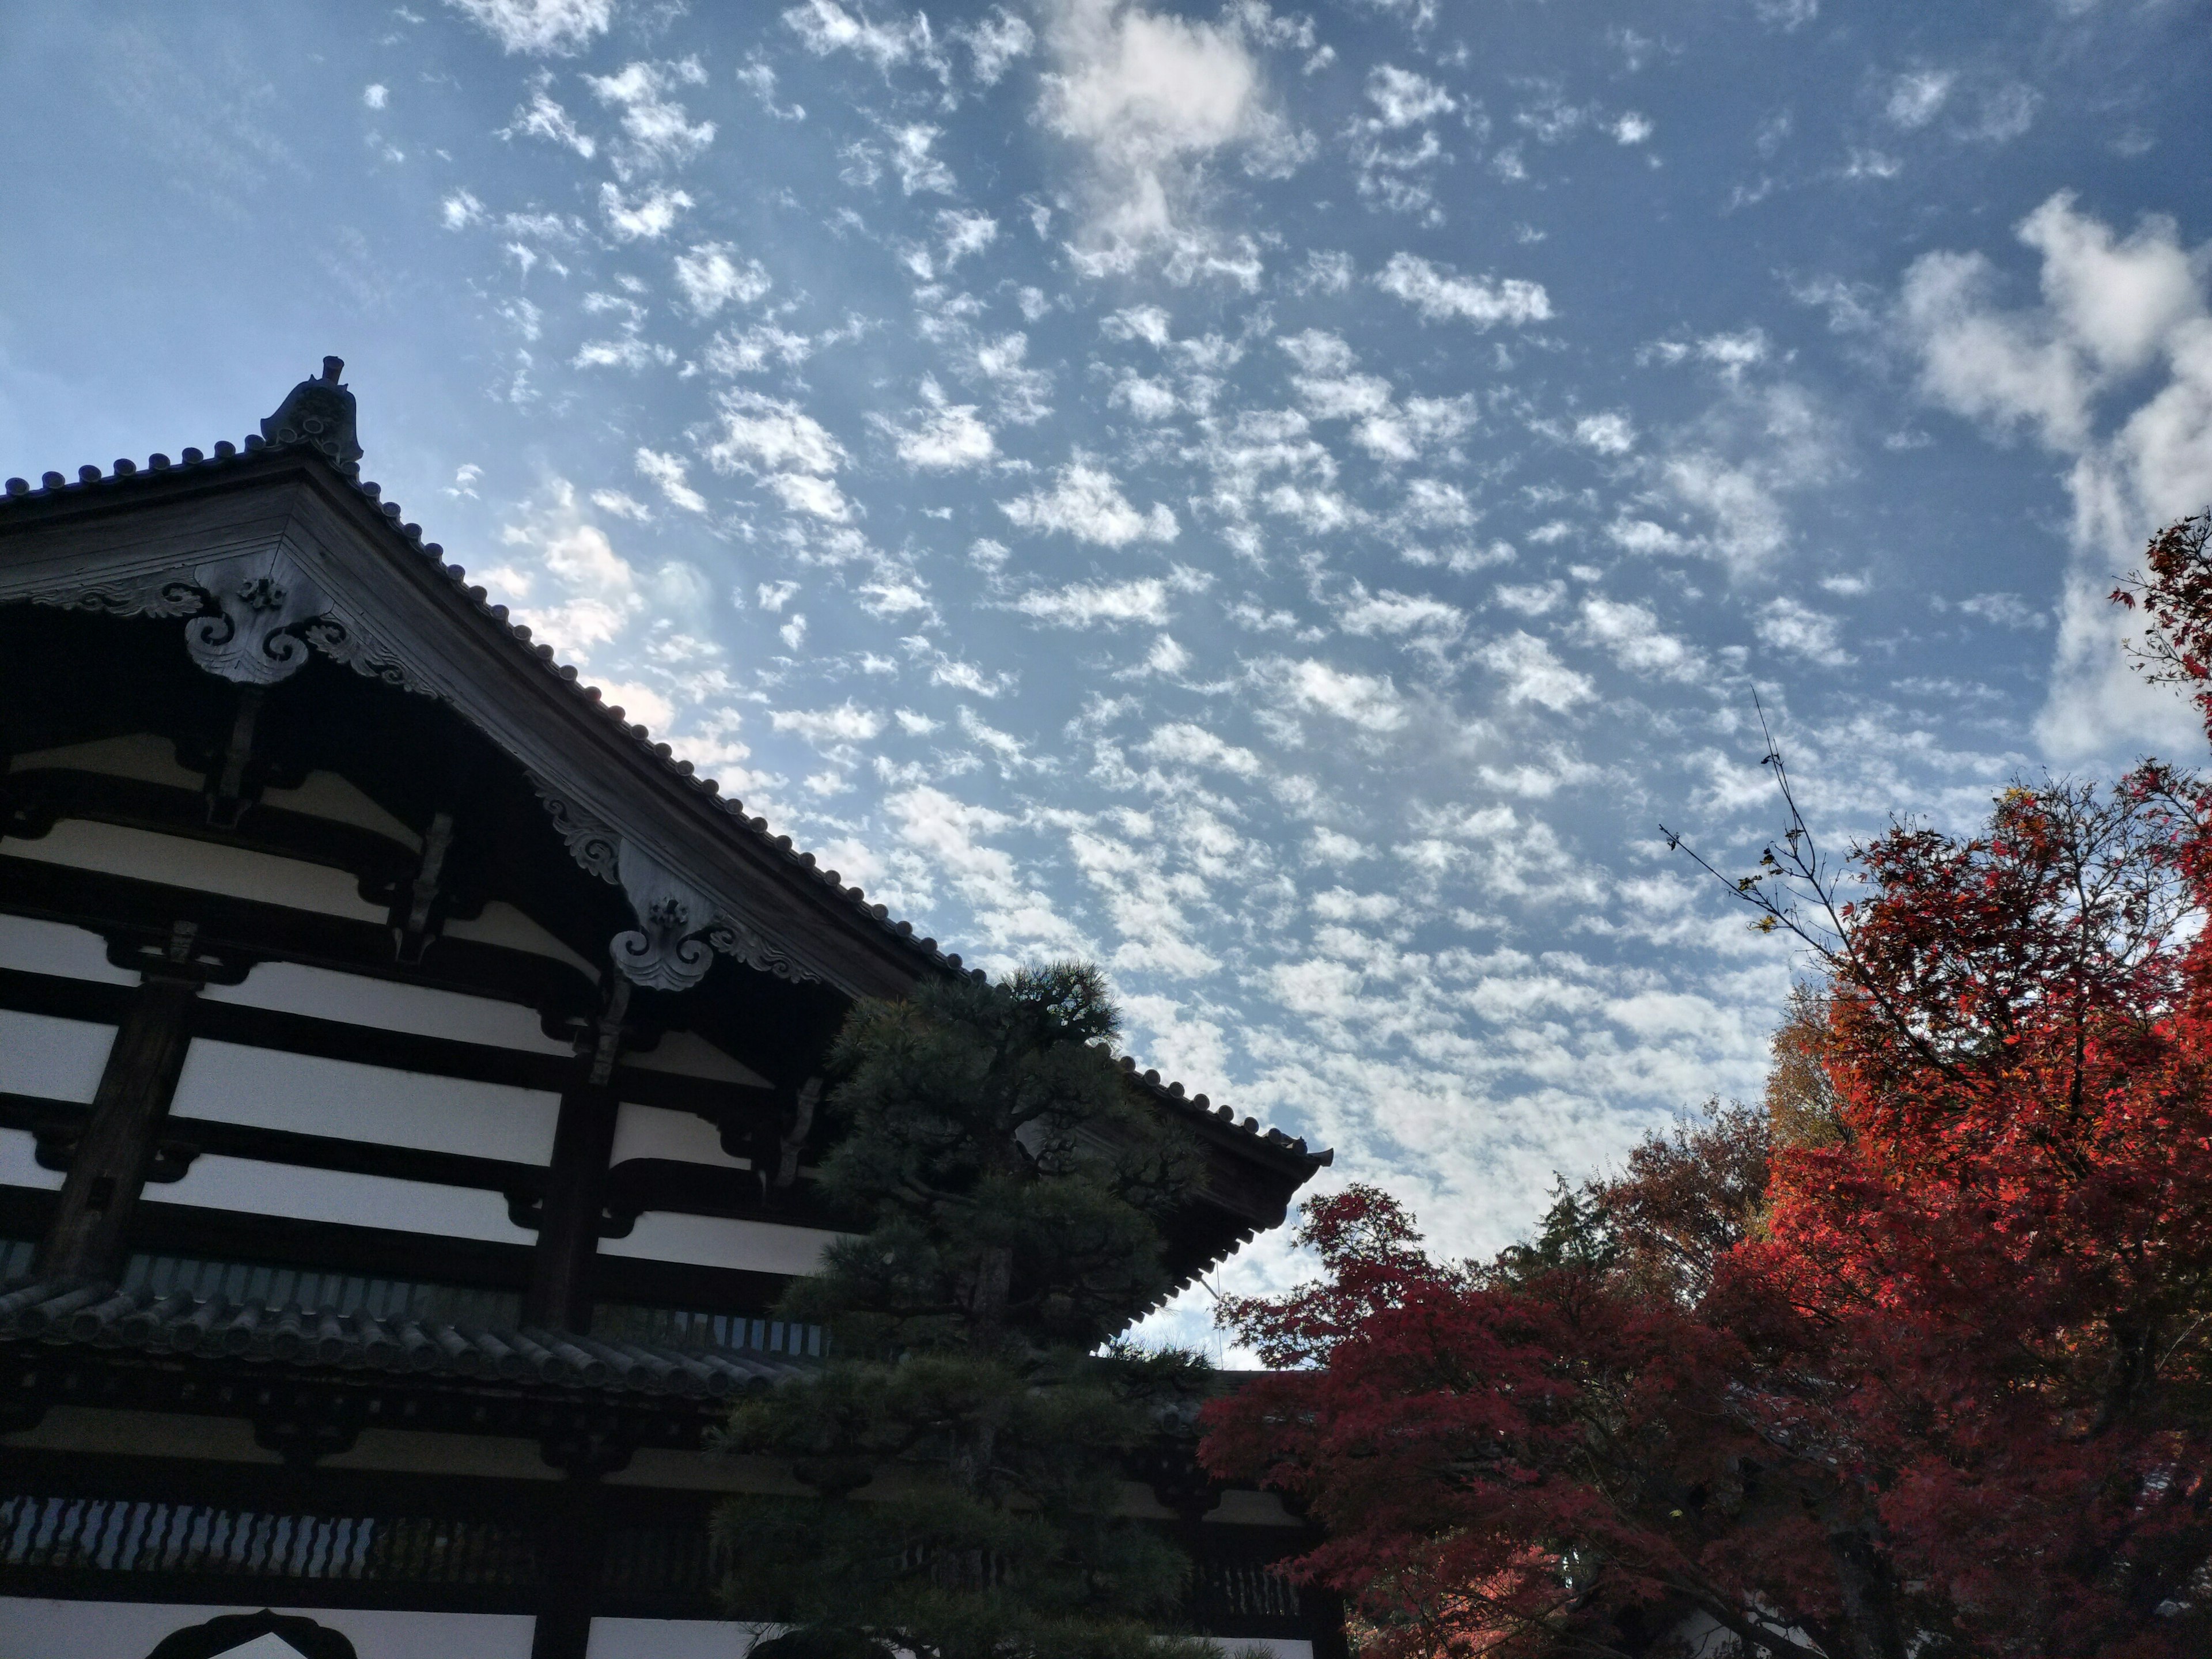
(673, 1638)
(502, 924)
(19, 1163)
(182, 862)
(55, 947)
(236, 1183)
(658, 1131)
(289, 989)
(689, 1055)
(328, 795)
(128, 1629)
(148, 758)
(709, 1240)
(231, 1083)
(60, 1058)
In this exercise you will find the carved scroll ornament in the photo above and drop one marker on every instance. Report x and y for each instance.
(249, 620)
(252, 620)
(679, 929)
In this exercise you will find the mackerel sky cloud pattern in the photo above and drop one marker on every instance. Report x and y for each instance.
(1279, 501)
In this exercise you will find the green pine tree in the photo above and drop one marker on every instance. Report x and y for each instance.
(967, 1439)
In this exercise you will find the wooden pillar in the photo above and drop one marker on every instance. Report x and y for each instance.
(560, 1293)
(573, 1537)
(563, 1628)
(107, 1171)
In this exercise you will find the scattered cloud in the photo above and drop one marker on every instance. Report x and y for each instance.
(543, 27)
(1085, 502)
(1440, 295)
(1533, 674)
(711, 277)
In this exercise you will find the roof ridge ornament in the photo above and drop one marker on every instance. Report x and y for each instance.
(320, 413)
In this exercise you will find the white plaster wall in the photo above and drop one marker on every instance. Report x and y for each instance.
(19, 1167)
(153, 759)
(700, 1639)
(502, 924)
(689, 1055)
(674, 1638)
(231, 1083)
(128, 1629)
(60, 1058)
(715, 1242)
(658, 1131)
(242, 1184)
(182, 862)
(328, 795)
(288, 987)
(148, 758)
(33, 946)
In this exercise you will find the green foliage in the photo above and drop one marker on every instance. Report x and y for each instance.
(965, 1443)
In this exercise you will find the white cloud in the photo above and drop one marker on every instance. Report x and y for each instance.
(1534, 674)
(544, 118)
(944, 437)
(1396, 615)
(1915, 97)
(667, 471)
(460, 210)
(1609, 434)
(1085, 604)
(762, 79)
(656, 129)
(1182, 743)
(994, 43)
(2003, 609)
(1632, 128)
(375, 94)
(826, 727)
(1642, 536)
(964, 233)
(1531, 599)
(1403, 99)
(1790, 627)
(647, 219)
(749, 351)
(2113, 309)
(1146, 96)
(711, 278)
(952, 837)
(1085, 502)
(1630, 635)
(767, 435)
(825, 26)
(1370, 701)
(2109, 307)
(1439, 295)
(919, 170)
(539, 26)
(819, 498)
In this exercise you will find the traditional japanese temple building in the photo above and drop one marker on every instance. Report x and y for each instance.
(407, 1075)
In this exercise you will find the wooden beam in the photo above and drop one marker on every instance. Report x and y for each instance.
(122, 1132)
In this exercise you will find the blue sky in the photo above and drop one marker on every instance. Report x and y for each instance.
(1280, 502)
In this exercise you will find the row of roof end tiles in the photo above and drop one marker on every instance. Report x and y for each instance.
(96, 1314)
(126, 468)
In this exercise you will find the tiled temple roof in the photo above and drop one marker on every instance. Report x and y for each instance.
(800, 865)
(95, 1314)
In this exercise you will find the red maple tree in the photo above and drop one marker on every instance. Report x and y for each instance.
(1919, 1357)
